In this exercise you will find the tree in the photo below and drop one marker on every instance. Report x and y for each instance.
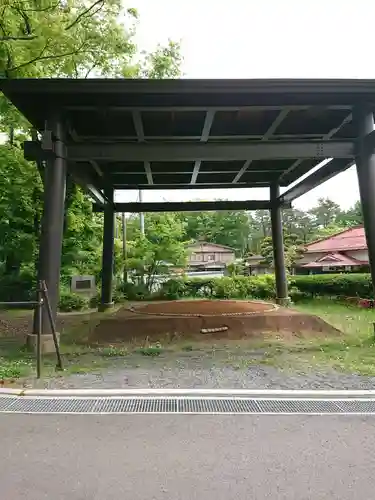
(353, 216)
(228, 227)
(325, 232)
(70, 38)
(299, 223)
(164, 62)
(325, 213)
(74, 38)
(293, 250)
(160, 248)
(81, 252)
(20, 209)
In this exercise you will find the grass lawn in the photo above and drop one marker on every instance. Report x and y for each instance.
(353, 352)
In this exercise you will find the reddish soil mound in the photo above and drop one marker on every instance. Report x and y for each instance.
(125, 325)
(205, 307)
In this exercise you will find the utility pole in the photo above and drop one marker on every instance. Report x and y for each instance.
(142, 223)
(141, 215)
(124, 249)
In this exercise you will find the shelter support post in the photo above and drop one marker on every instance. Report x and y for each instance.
(363, 119)
(282, 297)
(52, 227)
(108, 251)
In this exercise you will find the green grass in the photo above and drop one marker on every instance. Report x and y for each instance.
(353, 351)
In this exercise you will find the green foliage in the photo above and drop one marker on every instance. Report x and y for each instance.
(348, 285)
(229, 228)
(237, 287)
(132, 291)
(18, 286)
(82, 238)
(20, 209)
(152, 350)
(165, 62)
(77, 39)
(263, 287)
(325, 213)
(72, 302)
(114, 351)
(292, 250)
(160, 248)
(13, 369)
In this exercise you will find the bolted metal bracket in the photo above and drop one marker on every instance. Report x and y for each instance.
(53, 146)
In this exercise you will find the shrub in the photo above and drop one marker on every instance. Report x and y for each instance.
(263, 287)
(72, 302)
(173, 289)
(17, 287)
(131, 291)
(237, 287)
(153, 350)
(334, 285)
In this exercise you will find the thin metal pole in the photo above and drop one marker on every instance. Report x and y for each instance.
(141, 215)
(39, 326)
(142, 224)
(124, 248)
(52, 325)
(278, 247)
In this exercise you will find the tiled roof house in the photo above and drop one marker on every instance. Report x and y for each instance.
(344, 251)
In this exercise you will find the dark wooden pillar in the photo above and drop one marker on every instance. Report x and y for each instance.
(52, 225)
(363, 119)
(108, 252)
(278, 247)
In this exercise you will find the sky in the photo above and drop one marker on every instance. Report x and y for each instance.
(264, 39)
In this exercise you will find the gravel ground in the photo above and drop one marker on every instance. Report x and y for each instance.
(196, 372)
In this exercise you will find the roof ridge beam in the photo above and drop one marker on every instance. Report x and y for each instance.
(193, 206)
(260, 150)
(321, 175)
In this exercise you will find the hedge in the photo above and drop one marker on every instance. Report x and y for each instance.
(263, 287)
(334, 285)
(237, 287)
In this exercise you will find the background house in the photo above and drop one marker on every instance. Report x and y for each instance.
(343, 252)
(209, 256)
(256, 265)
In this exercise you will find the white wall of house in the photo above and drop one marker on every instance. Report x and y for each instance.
(311, 257)
(358, 254)
(200, 253)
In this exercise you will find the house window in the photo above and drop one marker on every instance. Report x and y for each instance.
(195, 256)
(211, 257)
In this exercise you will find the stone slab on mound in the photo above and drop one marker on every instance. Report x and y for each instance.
(288, 323)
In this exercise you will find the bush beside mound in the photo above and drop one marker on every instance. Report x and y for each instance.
(263, 287)
(72, 302)
(334, 285)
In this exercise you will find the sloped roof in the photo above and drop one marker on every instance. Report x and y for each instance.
(350, 239)
(207, 243)
(335, 259)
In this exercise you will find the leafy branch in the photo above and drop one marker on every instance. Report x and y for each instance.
(85, 12)
(40, 57)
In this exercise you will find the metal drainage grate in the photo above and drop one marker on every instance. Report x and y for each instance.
(185, 405)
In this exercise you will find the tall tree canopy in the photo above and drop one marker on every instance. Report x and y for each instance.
(66, 38)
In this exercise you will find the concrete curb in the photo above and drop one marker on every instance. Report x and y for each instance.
(149, 392)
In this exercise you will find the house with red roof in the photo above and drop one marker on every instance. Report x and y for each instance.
(343, 252)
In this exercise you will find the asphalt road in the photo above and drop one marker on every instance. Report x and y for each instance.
(182, 457)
